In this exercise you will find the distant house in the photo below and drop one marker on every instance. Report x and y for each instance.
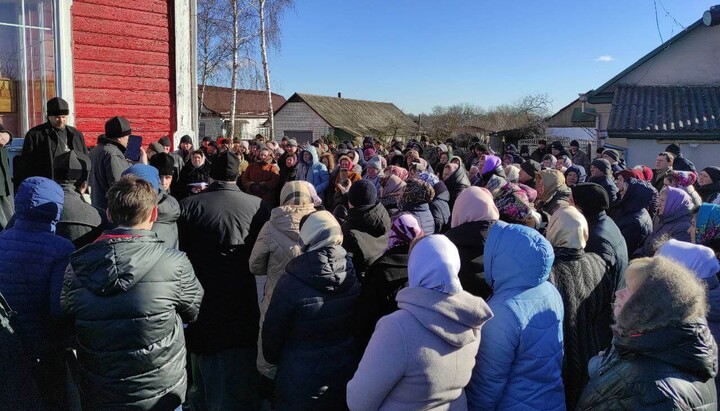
(251, 111)
(307, 117)
(576, 121)
(672, 95)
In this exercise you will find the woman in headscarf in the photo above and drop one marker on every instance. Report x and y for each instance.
(386, 276)
(440, 204)
(422, 355)
(673, 220)
(336, 194)
(275, 246)
(492, 167)
(512, 173)
(663, 355)
(631, 215)
(549, 161)
(684, 180)
(391, 191)
(705, 228)
(416, 200)
(307, 331)
(374, 171)
(709, 184)
(514, 205)
(455, 179)
(587, 295)
(473, 215)
(575, 174)
(398, 171)
(552, 191)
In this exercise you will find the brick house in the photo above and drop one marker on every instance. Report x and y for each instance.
(251, 112)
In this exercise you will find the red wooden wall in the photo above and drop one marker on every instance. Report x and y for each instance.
(124, 66)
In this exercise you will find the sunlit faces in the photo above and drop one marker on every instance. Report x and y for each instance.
(661, 162)
(704, 178)
(197, 160)
(621, 184)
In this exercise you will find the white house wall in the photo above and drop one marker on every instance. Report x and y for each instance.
(298, 116)
(645, 152)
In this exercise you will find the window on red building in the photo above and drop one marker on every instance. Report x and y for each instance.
(28, 62)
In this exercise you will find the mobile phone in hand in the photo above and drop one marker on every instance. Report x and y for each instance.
(133, 148)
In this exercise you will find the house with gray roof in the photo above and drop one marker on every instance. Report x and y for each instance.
(307, 117)
(671, 95)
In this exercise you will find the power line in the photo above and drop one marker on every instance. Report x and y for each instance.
(667, 14)
(657, 22)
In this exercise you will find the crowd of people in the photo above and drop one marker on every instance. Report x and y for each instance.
(262, 274)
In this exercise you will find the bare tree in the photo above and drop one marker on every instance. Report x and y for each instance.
(270, 12)
(212, 51)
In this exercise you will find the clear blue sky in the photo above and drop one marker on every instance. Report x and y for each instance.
(422, 53)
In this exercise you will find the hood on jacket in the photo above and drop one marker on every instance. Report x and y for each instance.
(286, 219)
(516, 256)
(697, 258)
(326, 269)
(689, 347)
(579, 170)
(168, 209)
(374, 220)
(313, 152)
(38, 202)
(116, 261)
(638, 195)
(454, 318)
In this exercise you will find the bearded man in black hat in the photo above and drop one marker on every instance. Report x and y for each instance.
(49, 140)
(108, 159)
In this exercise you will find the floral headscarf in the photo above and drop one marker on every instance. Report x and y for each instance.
(404, 229)
(707, 224)
(429, 178)
(417, 192)
(513, 204)
(683, 178)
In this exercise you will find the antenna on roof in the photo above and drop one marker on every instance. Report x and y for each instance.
(339, 94)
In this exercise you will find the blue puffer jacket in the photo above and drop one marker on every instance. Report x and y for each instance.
(314, 172)
(32, 264)
(519, 362)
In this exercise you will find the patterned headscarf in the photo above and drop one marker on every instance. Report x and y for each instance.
(494, 184)
(429, 178)
(683, 178)
(707, 225)
(417, 192)
(296, 193)
(405, 228)
(513, 204)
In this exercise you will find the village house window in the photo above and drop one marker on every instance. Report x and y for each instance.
(28, 61)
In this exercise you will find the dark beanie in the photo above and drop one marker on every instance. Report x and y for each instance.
(57, 107)
(362, 194)
(185, 139)
(556, 145)
(164, 162)
(165, 141)
(574, 143)
(225, 167)
(590, 198)
(440, 188)
(713, 172)
(673, 148)
(117, 127)
(71, 166)
(531, 167)
(612, 154)
(602, 164)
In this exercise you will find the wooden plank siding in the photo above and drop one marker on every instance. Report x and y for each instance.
(123, 61)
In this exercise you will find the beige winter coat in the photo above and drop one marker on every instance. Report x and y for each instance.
(277, 244)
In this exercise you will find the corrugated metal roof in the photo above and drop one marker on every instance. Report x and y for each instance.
(665, 109)
(359, 117)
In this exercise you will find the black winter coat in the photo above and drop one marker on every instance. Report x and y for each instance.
(607, 241)
(40, 149)
(308, 331)
(80, 222)
(385, 277)
(456, 183)
(630, 214)
(218, 229)
(440, 209)
(709, 192)
(469, 238)
(608, 184)
(587, 294)
(365, 235)
(190, 175)
(130, 296)
(670, 368)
